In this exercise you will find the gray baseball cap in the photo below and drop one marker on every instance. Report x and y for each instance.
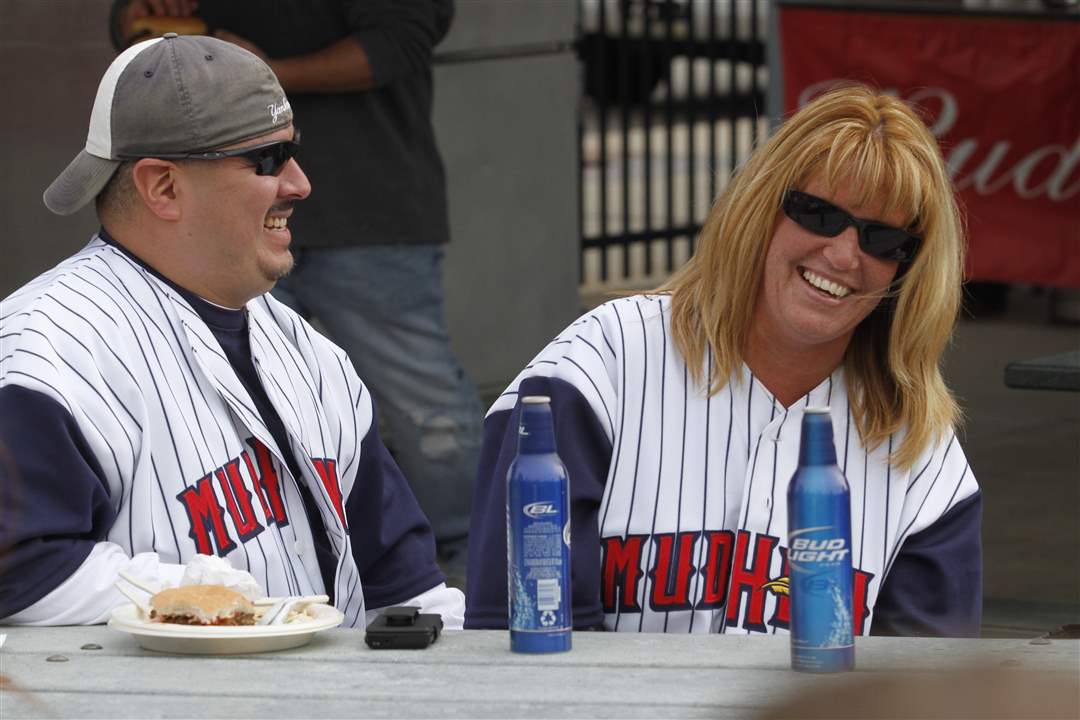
(173, 94)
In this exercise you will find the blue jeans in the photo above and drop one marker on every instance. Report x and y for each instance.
(383, 304)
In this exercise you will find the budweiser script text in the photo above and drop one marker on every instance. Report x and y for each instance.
(1045, 170)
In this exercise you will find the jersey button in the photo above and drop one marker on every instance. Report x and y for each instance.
(299, 547)
(768, 502)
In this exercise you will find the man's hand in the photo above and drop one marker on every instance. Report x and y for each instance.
(144, 8)
(246, 44)
(172, 8)
(137, 9)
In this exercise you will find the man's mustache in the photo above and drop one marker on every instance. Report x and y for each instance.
(282, 206)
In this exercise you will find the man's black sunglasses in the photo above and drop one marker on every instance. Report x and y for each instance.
(269, 159)
(821, 217)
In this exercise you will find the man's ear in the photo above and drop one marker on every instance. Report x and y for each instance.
(158, 184)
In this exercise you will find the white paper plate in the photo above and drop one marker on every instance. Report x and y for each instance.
(223, 640)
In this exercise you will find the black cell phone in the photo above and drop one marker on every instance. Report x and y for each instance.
(403, 628)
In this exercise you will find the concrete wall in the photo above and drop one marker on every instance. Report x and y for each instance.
(506, 127)
(505, 116)
(52, 55)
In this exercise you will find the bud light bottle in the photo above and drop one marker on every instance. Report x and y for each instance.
(538, 536)
(819, 553)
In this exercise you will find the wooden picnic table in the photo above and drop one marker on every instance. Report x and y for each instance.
(57, 672)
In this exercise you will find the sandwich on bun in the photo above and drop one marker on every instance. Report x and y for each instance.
(202, 605)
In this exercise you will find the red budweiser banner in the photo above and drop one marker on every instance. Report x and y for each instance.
(1003, 95)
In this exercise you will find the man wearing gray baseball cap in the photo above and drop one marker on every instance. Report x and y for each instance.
(157, 403)
(171, 99)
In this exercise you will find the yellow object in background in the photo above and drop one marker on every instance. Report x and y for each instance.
(153, 26)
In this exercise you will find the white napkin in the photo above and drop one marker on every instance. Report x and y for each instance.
(212, 570)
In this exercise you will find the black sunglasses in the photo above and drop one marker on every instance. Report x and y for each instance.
(823, 218)
(269, 159)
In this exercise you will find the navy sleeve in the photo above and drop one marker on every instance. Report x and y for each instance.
(54, 503)
(392, 541)
(586, 452)
(934, 587)
(398, 36)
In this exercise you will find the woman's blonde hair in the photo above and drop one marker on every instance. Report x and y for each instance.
(878, 144)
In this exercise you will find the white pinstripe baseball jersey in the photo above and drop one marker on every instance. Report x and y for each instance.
(188, 464)
(686, 493)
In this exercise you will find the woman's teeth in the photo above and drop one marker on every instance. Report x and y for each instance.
(275, 223)
(828, 286)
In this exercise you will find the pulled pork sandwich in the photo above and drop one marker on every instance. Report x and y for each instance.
(202, 605)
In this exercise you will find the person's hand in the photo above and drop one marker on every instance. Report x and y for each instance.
(246, 44)
(136, 9)
(171, 8)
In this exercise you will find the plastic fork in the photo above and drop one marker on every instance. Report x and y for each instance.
(136, 599)
(277, 613)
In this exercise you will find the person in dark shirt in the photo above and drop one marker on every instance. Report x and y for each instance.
(370, 244)
(157, 403)
(827, 274)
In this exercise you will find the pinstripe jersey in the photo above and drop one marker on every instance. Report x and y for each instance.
(692, 518)
(189, 464)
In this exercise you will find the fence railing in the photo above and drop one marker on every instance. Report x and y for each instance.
(674, 101)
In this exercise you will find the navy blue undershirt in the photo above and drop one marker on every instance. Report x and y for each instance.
(230, 328)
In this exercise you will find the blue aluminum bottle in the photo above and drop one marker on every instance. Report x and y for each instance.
(538, 536)
(819, 553)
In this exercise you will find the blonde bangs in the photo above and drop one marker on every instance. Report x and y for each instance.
(861, 158)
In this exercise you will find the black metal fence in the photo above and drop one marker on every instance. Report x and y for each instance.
(674, 100)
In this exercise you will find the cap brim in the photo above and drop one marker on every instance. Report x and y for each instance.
(79, 183)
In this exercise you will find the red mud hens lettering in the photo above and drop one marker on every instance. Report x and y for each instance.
(212, 535)
(327, 470)
(735, 568)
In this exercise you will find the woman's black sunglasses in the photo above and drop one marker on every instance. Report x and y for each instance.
(269, 159)
(821, 217)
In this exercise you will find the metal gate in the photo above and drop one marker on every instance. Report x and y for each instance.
(674, 101)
